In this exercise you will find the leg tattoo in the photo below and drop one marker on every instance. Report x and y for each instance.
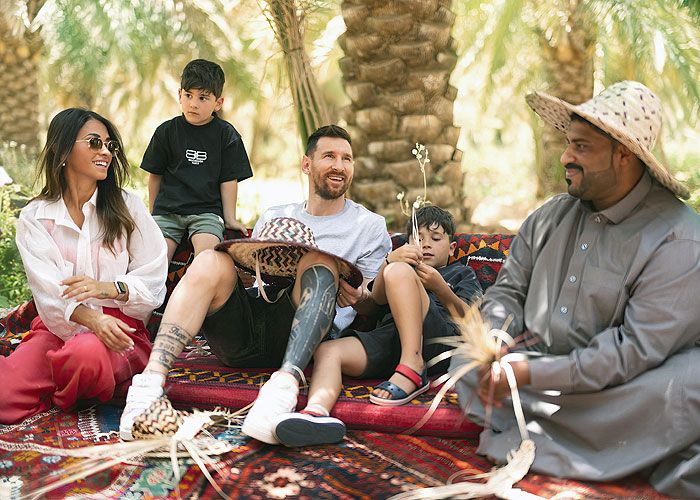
(169, 343)
(312, 319)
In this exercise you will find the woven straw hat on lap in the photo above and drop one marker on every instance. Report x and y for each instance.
(628, 111)
(277, 249)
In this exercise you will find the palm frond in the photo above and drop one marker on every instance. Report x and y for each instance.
(191, 440)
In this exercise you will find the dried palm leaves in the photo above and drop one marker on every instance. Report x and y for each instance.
(482, 345)
(162, 432)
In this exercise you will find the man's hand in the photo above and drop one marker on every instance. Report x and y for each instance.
(347, 295)
(235, 225)
(81, 288)
(112, 332)
(410, 254)
(430, 277)
(497, 377)
(246, 278)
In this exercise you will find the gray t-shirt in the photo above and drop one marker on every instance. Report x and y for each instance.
(355, 234)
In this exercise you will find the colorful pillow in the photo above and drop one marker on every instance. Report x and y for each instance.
(485, 253)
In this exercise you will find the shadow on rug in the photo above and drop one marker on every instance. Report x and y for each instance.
(365, 465)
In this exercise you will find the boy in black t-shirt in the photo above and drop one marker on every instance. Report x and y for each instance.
(418, 285)
(196, 161)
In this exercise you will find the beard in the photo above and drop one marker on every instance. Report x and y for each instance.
(325, 191)
(592, 184)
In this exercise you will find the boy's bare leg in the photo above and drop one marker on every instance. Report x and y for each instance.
(314, 425)
(172, 246)
(203, 241)
(409, 304)
(332, 359)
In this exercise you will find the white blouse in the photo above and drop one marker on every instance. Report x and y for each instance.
(54, 248)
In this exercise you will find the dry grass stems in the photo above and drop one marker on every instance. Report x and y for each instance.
(421, 154)
(482, 345)
(158, 437)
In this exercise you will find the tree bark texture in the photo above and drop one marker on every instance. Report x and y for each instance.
(399, 55)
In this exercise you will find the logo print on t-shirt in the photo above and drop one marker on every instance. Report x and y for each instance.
(195, 157)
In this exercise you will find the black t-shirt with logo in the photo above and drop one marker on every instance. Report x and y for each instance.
(193, 161)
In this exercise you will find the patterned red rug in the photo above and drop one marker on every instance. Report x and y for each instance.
(365, 465)
(203, 382)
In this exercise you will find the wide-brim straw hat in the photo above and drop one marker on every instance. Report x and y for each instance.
(276, 251)
(628, 111)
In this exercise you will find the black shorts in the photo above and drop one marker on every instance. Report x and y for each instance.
(383, 346)
(247, 331)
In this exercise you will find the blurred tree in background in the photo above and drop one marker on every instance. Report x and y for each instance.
(572, 48)
(20, 55)
(286, 18)
(124, 57)
(399, 56)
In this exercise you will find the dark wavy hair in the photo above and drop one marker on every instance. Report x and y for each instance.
(433, 217)
(112, 212)
(333, 131)
(203, 75)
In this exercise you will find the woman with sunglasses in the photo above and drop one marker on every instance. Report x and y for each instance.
(96, 263)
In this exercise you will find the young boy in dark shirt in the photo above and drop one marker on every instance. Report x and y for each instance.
(196, 161)
(418, 284)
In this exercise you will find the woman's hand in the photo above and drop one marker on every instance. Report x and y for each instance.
(113, 332)
(81, 288)
(110, 330)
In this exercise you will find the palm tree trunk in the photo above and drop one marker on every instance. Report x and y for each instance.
(286, 18)
(20, 53)
(399, 55)
(569, 58)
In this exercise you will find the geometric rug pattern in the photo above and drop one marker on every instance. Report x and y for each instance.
(205, 383)
(365, 465)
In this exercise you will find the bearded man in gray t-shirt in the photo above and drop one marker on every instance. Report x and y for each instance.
(246, 330)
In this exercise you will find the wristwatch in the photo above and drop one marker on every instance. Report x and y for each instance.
(121, 288)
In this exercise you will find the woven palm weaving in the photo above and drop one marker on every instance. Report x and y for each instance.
(281, 243)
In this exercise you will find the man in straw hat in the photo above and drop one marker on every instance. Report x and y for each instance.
(330, 246)
(605, 280)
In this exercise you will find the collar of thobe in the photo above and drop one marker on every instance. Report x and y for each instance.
(624, 208)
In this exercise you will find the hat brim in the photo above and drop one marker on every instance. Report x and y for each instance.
(281, 258)
(557, 113)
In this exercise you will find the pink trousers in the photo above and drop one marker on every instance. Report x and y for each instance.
(44, 370)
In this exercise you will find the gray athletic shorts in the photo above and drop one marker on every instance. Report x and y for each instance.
(173, 226)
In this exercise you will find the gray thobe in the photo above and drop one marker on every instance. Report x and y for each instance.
(613, 298)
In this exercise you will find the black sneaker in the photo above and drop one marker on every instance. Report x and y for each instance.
(305, 429)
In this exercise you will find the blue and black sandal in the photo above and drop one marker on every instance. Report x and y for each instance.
(399, 396)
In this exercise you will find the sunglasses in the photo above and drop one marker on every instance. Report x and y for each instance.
(95, 143)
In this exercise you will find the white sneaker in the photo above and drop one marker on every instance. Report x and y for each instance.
(145, 388)
(277, 396)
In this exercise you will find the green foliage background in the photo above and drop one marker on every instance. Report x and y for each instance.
(13, 281)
